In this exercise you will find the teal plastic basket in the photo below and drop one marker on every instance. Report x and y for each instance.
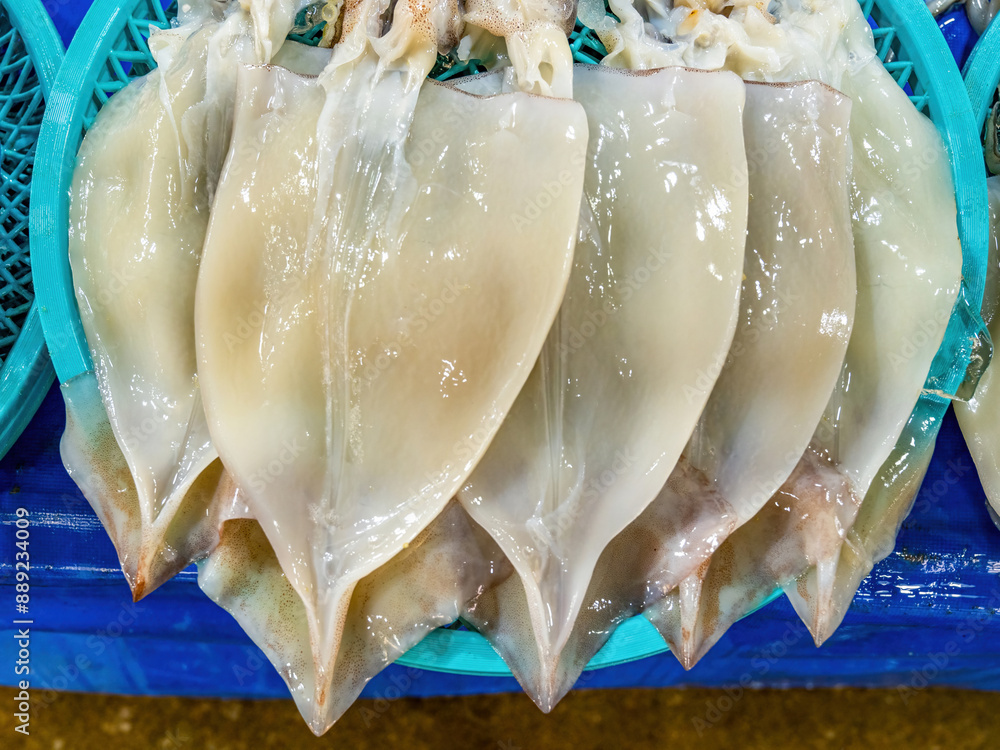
(110, 49)
(30, 56)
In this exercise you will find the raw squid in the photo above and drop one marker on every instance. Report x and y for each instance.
(908, 265)
(426, 585)
(905, 229)
(649, 312)
(802, 43)
(797, 310)
(384, 261)
(980, 416)
(535, 50)
(145, 177)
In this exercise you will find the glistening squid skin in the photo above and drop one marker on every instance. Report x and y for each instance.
(379, 236)
(797, 311)
(142, 189)
(649, 311)
(908, 266)
(907, 241)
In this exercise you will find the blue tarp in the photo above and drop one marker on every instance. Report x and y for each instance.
(926, 615)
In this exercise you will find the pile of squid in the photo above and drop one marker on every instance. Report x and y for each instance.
(538, 349)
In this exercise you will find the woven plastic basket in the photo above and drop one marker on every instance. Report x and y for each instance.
(110, 48)
(30, 55)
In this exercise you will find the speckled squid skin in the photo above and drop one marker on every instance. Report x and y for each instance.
(94, 460)
(793, 526)
(872, 536)
(425, 586)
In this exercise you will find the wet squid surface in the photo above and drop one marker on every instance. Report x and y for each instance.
(540, 349)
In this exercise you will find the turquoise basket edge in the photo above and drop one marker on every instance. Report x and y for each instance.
(27, 373)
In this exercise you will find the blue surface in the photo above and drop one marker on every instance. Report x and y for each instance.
(927, 614)
(66, 14)
(928, 609)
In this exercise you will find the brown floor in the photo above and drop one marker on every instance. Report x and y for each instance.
(629, 719)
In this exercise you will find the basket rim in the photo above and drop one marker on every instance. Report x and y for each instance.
(27, 373)
(456, 651)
